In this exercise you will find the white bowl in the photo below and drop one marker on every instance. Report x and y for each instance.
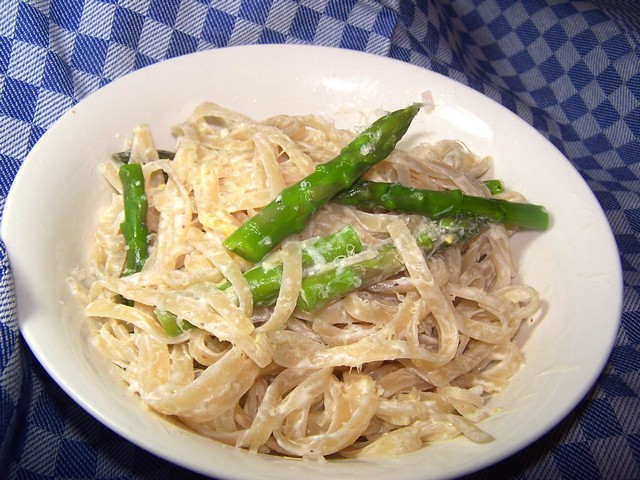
(50, 214)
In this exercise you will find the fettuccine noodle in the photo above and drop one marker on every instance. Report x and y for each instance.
(383, 371)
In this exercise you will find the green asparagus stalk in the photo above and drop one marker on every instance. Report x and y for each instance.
(335, 282)
(339, 279)
(495, 186)
(264, 281)
(438, 204)
(134, 227)
(435, 236)
(291, 210)
(169, 322)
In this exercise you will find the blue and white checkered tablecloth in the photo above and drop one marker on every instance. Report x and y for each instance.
(569, 68)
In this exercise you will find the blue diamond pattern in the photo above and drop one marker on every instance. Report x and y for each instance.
(32, 26)
(181, 44)
(574, 460)
(256, 12)
(164, 11)
(354, 38)
(614, 387)
(57, 75)
(18, 99)
(89, 54)
(127, 27)
(571, 69)
(84, 459)
(218, 27)
(67, 14)
(601, 421)
(305, 23)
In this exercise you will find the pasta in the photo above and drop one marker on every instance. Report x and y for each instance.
(383, 371)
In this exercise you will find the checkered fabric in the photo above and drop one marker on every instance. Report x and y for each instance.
(569, 68)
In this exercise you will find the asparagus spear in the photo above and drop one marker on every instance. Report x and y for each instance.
(494, 186)
(338, 280)
(439, 204)
(291, 210)
(134, 227)
(264, 281)
(335, 282)
(437, 235)
(169, 323)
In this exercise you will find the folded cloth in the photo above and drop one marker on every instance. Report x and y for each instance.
(570, 69)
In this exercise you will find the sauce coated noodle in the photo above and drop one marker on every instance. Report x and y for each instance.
(382, 371)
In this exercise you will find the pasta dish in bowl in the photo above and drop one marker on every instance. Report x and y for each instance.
(404, 356)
